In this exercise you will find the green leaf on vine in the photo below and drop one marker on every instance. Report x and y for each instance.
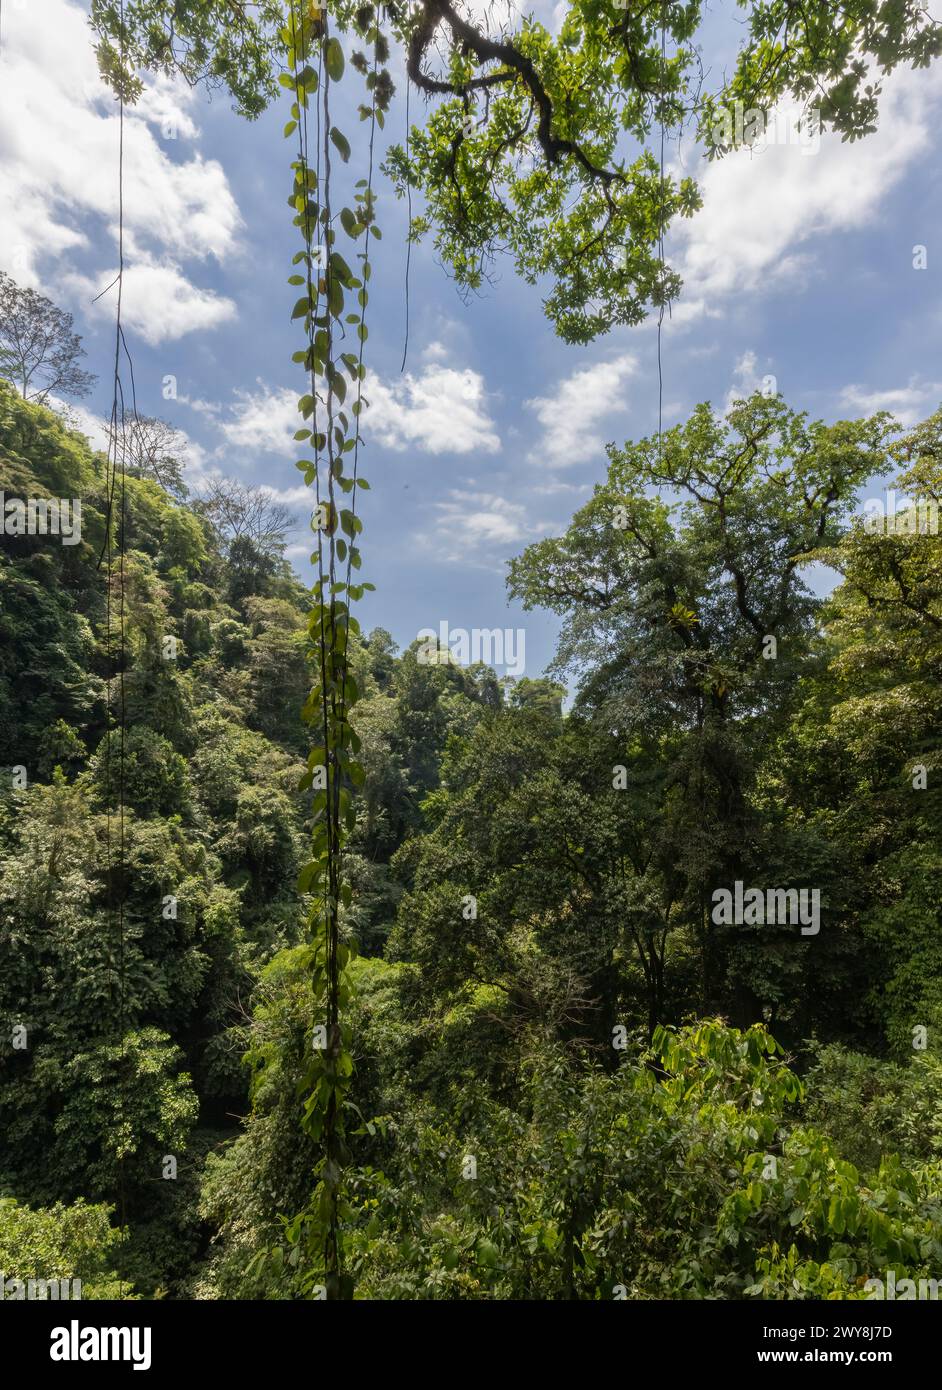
(333, 57)
(342, 144)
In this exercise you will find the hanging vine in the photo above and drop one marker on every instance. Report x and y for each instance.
(315, 63)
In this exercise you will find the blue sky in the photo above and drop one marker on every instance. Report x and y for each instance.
(800, 265)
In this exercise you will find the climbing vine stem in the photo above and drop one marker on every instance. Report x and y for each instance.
(330, 438)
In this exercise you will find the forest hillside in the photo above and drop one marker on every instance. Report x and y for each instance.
(589, 1061)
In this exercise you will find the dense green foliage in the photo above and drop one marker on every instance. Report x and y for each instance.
(109, 1080)
(505, 1095)
(534, 1111)
(59, 1243)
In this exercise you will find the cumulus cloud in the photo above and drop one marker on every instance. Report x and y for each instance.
(557, 488)
(441, 410)
(765, 212)
(158, 302)
(469, 522)
(572, 416)
(908, 403)
(58, 177)
(289, 496)
(262, 421)
(747, 378)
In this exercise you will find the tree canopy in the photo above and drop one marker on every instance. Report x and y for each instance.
(545, 147)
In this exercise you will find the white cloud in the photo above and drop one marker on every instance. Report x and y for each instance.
(555, 488)
(908, 403)
(435, 352)
(211, 409)
(264, 421)
(571, 417)
(472, 521)
(441, 410)
(158, 302)
(289, 496)
(59, 170)
(764, 213)
(747, 378)
(164, 103)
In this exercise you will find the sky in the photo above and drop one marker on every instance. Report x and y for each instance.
(799, 266)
